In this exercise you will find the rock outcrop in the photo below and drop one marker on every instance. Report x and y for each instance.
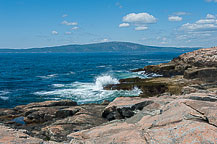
(201, 58)
(178, 107)
(168, 120)
(12, 136)
(53, 120)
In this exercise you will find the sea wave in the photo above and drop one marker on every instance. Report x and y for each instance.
(104, 80)
(90, 92)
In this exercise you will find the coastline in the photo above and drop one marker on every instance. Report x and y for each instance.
(179, 107)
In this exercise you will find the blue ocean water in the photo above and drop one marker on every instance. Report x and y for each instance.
(32, 77)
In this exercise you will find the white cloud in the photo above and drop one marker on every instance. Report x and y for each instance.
(206, 21)
(139, 18)
(210, 16)
(64, 15)
(105, 40)
(69, 23)
(68, 33)
(140, 28)
(207, 25)
(199, 27)
(175, 18)
(75, 28)
(124, 25)
(54, 32)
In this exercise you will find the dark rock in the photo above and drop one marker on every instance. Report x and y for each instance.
(66, 113)
(210, 99)
(122, 108)
(147, 87)
(204, 74)
(105, 102)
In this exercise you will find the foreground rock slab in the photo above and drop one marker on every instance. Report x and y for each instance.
(181, 120)
(53, 120)
(11, 136)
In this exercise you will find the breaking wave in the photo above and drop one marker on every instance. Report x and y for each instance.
(89, 92)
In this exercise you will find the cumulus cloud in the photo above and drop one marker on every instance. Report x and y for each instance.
(199, 27)
(209, 24)
(54, 32)
(210, 16)
(175, 18)
(124, 25)
(75, 28)
(141, 28)
(144, 18)
(206, 21)
(69, 23)
(139, 20)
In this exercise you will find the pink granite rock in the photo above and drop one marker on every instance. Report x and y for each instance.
(182, 120)
(11, 136)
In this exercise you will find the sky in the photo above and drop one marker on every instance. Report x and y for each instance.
(41, 23)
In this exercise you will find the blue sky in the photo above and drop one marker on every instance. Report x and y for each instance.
(40, 23)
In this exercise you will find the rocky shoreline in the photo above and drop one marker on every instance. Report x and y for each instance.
(178, 107)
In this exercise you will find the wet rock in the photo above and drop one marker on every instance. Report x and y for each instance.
(153, 86)
(148, 88)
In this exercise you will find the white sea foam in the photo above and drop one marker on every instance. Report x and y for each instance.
(3, 95)
(102, 66)
(48, 76)
(58, 85)
(90, 92)
(101, 81)
(141, 72)
(4, 98)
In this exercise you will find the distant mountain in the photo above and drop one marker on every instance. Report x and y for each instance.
(99, 47)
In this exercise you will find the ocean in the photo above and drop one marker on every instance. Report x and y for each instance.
(36, 77)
